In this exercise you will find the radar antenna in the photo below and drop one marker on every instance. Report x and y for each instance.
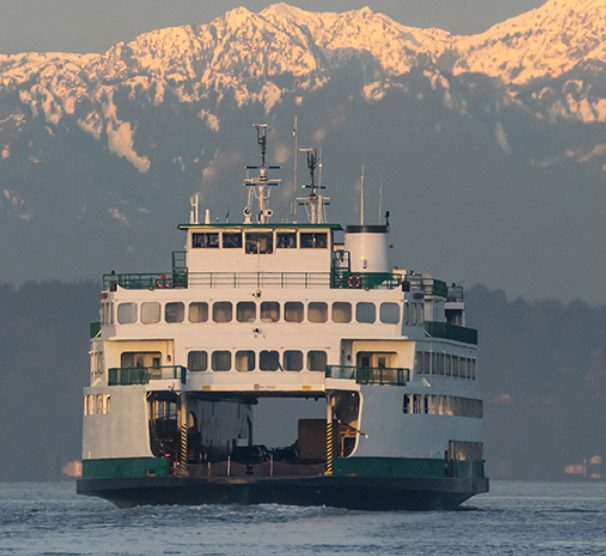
(315, 202)
(259, 186)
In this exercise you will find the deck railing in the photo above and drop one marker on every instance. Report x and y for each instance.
(369, 375)
(181, 278)
(452, 332)
(125, 376)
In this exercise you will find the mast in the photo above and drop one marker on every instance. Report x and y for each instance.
(259, 186)
(362, 207)
(315, 202)
(295, 176)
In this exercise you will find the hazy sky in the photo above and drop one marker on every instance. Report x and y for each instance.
(94, 25)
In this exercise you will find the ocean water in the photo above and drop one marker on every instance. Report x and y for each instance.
(514, 518)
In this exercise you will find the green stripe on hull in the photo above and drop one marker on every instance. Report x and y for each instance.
(407, 468)
(114, 468)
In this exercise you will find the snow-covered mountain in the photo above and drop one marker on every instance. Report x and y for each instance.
(98, 146)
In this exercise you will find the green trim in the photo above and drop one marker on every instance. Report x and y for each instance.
(114, 468)
(452, 332)
(94, 329)
(259, 226)
(406, 467)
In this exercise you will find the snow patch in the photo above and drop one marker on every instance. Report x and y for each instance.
(212, 121)
(6, 152)
(501, 138)
(115, 214)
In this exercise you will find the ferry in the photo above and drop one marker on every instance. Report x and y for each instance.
(370, 368)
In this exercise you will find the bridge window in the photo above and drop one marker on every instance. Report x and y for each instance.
(222, 311)
(293, 360)
(259, 243)
(286, 240)
(198, 311)
(232, 240)
(316, 360)
(197, 361)
(341, 312)
(390, 313)
(205, 240)
(269, 360)
(366, 312)
(270, 311)
(246, 311)
(314, 240)
(127, 313)
(293, 311)
(221, 360)
(245, 360)
(317, 311)
(174, 312)
(150, 313)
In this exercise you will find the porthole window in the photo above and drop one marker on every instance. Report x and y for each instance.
(221, 360)
(270, 311)
(293, 311)
(127, 313)
(366, 312)
(246, 311)
(174, 312)
(317, 312)
(150, 313)
(390, 313)
(245, 360)
(316, 360)
(293, 360)
(341, 312)
(269, 360)
(198, 311)
(222, 311)
(197, 361)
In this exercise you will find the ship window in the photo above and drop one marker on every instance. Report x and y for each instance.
(365, 312)
(150, 313)
(245, 361)
(205, 240)
(286, 240)
(293, 360)
(232, 240)
(197, 361)
(317, 311)
(246, 311)
(447, 364)
(314, 240)
(316, 360)
(127, 313)
(222, 311)
(221, 360)
(259, 243)
(293, 311)
(455, 365)
(390, 313)
(341, 312)
(174, 312)
(473, 369)
(269, 360)
(198, 311)
(270, 311)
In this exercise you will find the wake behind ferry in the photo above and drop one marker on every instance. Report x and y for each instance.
(255, 310)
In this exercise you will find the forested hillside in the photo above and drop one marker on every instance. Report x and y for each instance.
(542, 366)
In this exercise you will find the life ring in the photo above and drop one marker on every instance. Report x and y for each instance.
(162, 281)
(354, 281)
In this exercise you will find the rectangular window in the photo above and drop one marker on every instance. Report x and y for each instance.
(316, 360)
(127, 313)
(455, 365)
(390, 313)
(341, 311)
(232, 240)
(259, 243)
(293, 360)
(286, 240)
(205, 240)
(174, 312)
(317, 312)
(198, 311)
(270, 311)
(366, 312)
(314, 240)
(222, 311)
(293, 311)
(221, 360)
(197, 361)
(269, 360)
(245, 361)
(150, 313)
(246, 311)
